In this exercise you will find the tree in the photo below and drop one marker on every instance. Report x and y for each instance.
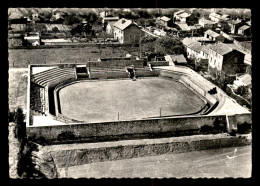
(76, 30)
(193, 19)
(55, 29)
(225, 26)
(147, 43)
(71, 19)
(20, 124)
(10, 115)
(40, 28)
(167, 45)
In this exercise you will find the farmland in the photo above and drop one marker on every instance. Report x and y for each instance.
(22, 57)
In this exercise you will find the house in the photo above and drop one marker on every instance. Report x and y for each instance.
(182, 17)
(215, 17)
(244, 30)
(15, 42)
(207, 24)
(177, 13)
(243, 80)
(187, 41)
(125, 31)
(225, 62)
(193, 50)
(183, 27)
(108, 19)
(202, 39)
(248, 56)
(204, 52)
(235, 24)
(35, 15)
(32, 39)
(176, 59)
(192, 47)
(159, 32)
(248, 23)
(110, 27)
(164, 21)
(213, 36)
(18, 27)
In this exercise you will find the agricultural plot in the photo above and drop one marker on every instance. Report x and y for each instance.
(22, 57)
(60, 27)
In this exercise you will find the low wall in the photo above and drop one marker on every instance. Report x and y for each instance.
(108, 74)
(146, 73)
(169, 74)
(79, 155)
(177, 126)
(159, 63)
(240, 123)
(116, 63)
(210, 99)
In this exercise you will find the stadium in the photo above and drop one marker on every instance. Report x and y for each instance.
(125, 98)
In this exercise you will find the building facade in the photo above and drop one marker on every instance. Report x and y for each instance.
(125, 31)
(225, 61)
(213, 36)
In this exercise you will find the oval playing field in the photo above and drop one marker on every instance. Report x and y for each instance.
(113, 100)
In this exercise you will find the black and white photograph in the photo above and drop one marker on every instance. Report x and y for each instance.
(129, 93)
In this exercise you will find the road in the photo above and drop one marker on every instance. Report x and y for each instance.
(217, 163)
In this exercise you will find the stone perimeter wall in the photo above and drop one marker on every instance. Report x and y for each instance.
(136, 128)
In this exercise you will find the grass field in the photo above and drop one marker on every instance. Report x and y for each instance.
(21, 57)
(95, 101)
(17, 88)
(196, 164)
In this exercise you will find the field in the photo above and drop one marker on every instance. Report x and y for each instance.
(97, 101)
(196, 164)
(17, 90)
(21, 57)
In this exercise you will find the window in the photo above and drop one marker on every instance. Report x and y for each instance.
(235, 60)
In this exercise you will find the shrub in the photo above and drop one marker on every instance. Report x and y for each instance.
(219, 126)
(20, 124)
(244, 128)
(67, 135)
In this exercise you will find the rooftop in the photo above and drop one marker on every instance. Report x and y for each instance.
(212, 33)
(245, 78)
(183, 26)
(164, 18)
(122, 23)
(206, 21)
(205, 48)
(110, 18)
(234, 22)
(184, 15)
(178, 58)
(214, 14)
(196, 46)
(187, 41)
(179, 12)
(244, 27)
(221, 48)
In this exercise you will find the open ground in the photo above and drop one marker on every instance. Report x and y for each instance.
(215, 163)
(22, 57)
(17, 88)
(110, 100)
